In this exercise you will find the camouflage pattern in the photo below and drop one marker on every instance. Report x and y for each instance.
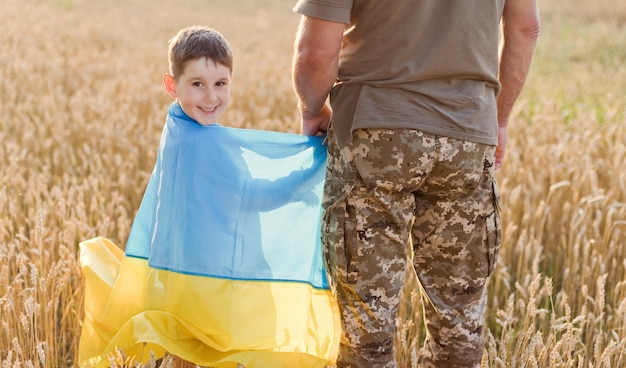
(390, 191)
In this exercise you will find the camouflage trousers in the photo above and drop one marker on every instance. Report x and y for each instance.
(396, 199)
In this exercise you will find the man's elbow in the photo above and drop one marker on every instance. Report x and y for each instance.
(522, 27)
(312, 57)
(312, 62)
(532, 30)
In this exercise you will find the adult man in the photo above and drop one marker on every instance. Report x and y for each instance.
(421, 99)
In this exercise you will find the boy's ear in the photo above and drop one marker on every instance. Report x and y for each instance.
(170, 84)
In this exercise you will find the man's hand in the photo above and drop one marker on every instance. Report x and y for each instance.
(501, 149)
(316, 124)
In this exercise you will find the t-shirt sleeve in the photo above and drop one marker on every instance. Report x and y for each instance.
(330, 10)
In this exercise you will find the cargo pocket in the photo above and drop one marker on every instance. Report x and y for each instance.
(493, 230)
(337, 225)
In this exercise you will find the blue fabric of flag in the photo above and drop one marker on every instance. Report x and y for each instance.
(233, 203)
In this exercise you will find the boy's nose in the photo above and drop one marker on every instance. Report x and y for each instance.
(210, 95)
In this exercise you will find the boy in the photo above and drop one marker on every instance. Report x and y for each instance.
(223, 265)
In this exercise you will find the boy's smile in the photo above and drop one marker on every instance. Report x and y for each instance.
(203, 90)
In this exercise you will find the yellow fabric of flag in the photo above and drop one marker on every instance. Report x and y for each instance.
(139, 309)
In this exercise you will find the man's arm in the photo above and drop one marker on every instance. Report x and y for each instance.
(520, 29)
(315, 67)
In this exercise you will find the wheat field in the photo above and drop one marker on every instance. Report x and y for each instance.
(81, 110)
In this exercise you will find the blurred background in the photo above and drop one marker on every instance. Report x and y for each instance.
(81, 110)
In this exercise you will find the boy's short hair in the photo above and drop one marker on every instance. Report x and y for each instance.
(197, 42)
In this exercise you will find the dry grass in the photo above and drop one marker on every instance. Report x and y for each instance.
(81, 111)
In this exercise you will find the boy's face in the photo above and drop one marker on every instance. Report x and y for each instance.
(203, 90)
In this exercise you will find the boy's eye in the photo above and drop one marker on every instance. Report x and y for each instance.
(220, 84)
(197, 84)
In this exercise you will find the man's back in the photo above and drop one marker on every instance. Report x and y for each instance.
(390, 43)
(436, 61)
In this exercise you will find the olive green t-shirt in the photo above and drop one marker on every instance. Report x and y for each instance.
(430, 65)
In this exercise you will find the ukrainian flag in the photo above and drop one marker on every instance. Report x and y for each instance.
(223, 264)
